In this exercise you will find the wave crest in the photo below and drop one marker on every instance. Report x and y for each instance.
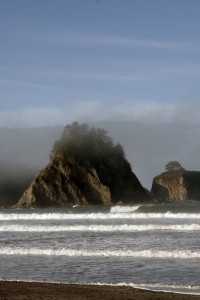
(150, 253)
(99, 228)
(95, 216)
(124, 209)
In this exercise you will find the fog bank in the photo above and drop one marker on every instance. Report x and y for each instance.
(148, 146)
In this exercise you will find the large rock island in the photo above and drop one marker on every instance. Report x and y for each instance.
(178, 185)
(86, 168)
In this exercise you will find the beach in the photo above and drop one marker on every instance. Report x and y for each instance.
(19, 290)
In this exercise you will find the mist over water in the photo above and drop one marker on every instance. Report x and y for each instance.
(23, 152)
(148, 146)
(28, 147)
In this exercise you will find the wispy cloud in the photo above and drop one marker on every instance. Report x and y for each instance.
(96, 40)
(54, 78)
(32, 117)
(91, 111)
(106, 40)
(24, 83)
(71, 74)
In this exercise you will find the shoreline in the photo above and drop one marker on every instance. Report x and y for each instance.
(32, 290)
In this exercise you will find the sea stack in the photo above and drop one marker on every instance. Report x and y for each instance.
(85, 168)
(179, 185)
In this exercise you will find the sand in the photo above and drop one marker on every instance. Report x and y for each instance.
(54, 291)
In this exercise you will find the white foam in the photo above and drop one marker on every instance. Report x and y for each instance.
(169, 286)
(151, 253)
(181, 289)
(123, 209)
(95, 216)
(99, 228)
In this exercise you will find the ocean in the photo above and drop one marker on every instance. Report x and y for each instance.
(153, 246)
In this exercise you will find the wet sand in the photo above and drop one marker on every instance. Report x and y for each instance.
(54, 291)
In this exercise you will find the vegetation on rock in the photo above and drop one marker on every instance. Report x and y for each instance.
(85, 143)
(173, 166)
(97, 148)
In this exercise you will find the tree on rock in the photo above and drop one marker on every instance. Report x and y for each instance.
(86, 143)
(173, 166)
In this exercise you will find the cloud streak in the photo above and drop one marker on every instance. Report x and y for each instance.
(56, 78)
(106, 40)
(187, 112)
(96, 40)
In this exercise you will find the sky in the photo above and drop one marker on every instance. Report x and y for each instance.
(135, 62)
(93, 60)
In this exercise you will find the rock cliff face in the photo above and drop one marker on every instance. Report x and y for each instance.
(86, 168)
(177, 186)
(67, 183)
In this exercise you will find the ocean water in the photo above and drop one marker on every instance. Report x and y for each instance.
(149, 246)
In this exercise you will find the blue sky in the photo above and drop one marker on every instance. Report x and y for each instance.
(87, 60)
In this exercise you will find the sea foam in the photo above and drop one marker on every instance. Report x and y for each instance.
(99, 228)
(149, 253)
(95, 216)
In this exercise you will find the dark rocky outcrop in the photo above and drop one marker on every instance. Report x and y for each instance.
(85, 169)
(177, 186)
(65, 183)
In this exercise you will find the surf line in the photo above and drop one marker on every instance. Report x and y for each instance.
(150, 253)
(97, 216)
(99, 228)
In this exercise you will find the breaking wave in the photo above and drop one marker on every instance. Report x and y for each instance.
(184, 289)
(181, 289)
(99, 228)
(95, 216)
(123, 209)
(151, 253)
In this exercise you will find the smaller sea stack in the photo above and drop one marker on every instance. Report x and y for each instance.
(180, 185)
